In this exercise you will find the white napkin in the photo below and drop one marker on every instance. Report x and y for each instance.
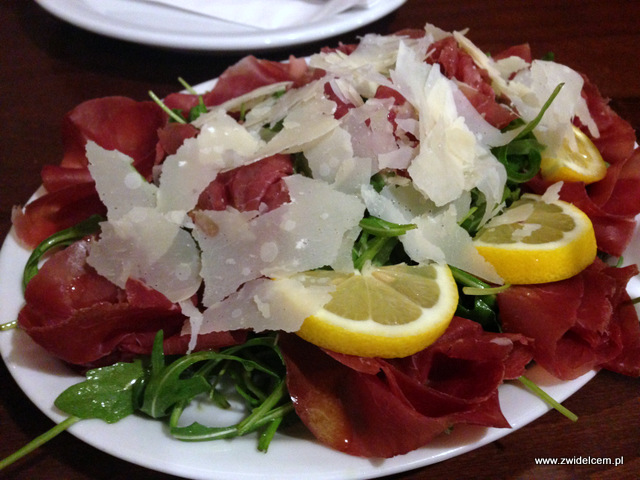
(267, 14)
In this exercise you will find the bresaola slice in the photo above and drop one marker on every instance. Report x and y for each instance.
(82, 318)
(372, 407)
(577, 324)
(115, 123)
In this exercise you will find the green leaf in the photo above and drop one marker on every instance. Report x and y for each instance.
(548, 398)
(63, 238)
(382, 228)
(481, 309)
(167, 386)
(522, 156)
(109, 393)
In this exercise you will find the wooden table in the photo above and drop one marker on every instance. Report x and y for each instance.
(47, 67)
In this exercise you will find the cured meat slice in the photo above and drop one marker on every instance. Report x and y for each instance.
(114, 123)
(55, 211)
(255, 186)
(476, 84)
(577, 324)
(380, 408)
(84, 319)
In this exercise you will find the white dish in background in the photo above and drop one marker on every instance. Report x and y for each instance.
(153, 24)
(292, 454)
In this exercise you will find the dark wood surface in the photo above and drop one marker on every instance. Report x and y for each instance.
(47, 67)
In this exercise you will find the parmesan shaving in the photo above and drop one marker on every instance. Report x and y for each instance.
(222, 144)
(144, 245)
(552, 193)
(118, 183)
(452, 159)
(138, 241)
(301, 235)
(438, 236)
(266, 304)
(195, 323)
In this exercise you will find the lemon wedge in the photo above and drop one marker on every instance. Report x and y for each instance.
(390, 312)
(534, 241)
(583, 163)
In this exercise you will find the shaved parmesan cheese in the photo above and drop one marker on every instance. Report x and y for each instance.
(371, 132)
(248, 100)
(552, 193)
(367, 66)
(326, 154)
(145, 245)
(438, 236)
(332, 160)
(532, 87)
(443, 231)
(222, 144)
(527, 229)
(118, 183)
(195, 323)
(452, 159)
(541, 79)
(301, 235)
(138, 241)
(272, 109)
(297, 131)
(513, 215)
(266, 304)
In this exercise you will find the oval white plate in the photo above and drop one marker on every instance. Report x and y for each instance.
(292, 454)
(153, 24)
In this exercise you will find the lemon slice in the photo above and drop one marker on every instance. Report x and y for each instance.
(538, 242)
(390, 312)
(581, 164)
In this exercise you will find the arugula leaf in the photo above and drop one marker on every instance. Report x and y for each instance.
(109, 393)
(63, 238)
(522, 156)
(164, 388)
(482, 309)
(378, 241)
(471, 221)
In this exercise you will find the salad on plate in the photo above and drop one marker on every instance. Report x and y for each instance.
(370, 242)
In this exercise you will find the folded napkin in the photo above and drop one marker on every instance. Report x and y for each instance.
(267, 14)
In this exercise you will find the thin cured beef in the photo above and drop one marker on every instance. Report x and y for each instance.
(114, 123)
(243, 77)
(475, 82)
(578, 324)
(373, 407)
(257, 186)
(82, 318)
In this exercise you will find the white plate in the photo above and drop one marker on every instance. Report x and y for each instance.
(153, 24)
(292, 455)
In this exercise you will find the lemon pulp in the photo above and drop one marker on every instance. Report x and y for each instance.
(538, 242)
(583, 163)
(391, 311)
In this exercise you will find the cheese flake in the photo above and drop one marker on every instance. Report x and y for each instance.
(221, 144)
(266, 304)
(301, 235)
(145, 245)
